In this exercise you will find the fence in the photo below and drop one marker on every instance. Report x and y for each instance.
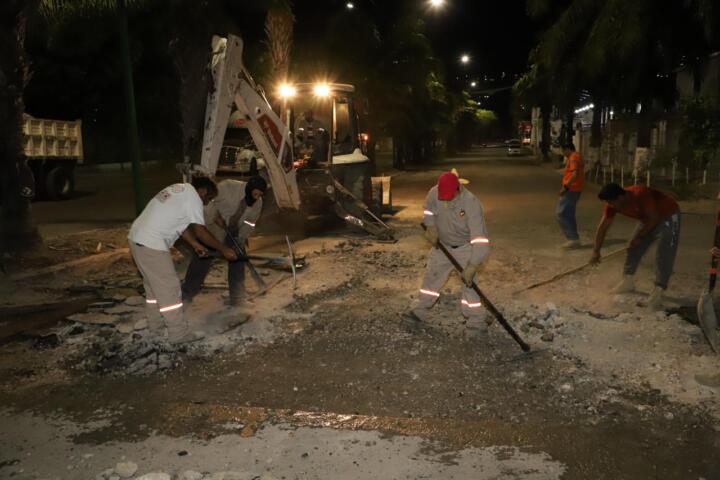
(684, 181)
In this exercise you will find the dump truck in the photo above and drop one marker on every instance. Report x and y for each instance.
(53, 148)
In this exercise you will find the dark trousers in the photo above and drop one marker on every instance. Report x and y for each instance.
(667, 232)
(565, 214)
(199, 268)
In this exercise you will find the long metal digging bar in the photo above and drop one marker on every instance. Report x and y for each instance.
(485, 301)
(254, 273)
(568, 272)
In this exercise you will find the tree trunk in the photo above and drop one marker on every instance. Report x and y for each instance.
(545, 134)
(17, 231)
(596, 128)
(644, 125)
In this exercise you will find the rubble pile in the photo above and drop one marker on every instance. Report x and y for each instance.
(129, 471)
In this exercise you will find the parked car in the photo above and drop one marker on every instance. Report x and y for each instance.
(514, 148)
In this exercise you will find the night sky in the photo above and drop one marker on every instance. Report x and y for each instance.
(496, 34)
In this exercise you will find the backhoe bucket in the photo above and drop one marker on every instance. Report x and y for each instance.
(708, 320)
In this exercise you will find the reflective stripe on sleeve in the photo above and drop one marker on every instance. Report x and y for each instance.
(170, 308)
(429, 292)
(471, 305)
(248, 223)
(478, 240)
(428, 212)
(147, 300)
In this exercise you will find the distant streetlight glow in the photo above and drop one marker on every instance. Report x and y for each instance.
(437, 3)
(464, 58)
(350, 5)
(473, 84)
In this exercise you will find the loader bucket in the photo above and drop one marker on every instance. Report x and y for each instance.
(708, 320)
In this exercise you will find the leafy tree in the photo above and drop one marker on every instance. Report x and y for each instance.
(621, 51)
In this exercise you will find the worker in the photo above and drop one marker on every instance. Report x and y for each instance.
(659, 217)
(311, 133)
(235, 212)
(572, 183)
(177, 211)
(453, 216)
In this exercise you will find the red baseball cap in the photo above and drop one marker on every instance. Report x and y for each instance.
(448, 186)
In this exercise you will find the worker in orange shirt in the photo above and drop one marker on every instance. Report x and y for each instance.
(572, 184)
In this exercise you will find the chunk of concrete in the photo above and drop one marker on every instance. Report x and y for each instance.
(94, 318)
(155, 476)
(126, 469)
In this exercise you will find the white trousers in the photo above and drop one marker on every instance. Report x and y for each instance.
(436, 275)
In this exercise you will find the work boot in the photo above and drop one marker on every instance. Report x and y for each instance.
(656, 299)
(188, 337)
(571, 244)
(712, 381)
(627, 285)
(412, 322)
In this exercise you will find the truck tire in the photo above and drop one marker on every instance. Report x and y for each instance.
(59, 183)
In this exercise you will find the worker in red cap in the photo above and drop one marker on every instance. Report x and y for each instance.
(453, 216)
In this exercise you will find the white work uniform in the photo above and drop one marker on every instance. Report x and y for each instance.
(152, 234)
(230, 205)
(461, 228)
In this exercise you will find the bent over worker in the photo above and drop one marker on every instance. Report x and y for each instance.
(659, 217)
(453, 216)
(235, 211)
(174, 212)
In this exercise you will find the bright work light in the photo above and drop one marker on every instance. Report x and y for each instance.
(287, 91)
(322, 90)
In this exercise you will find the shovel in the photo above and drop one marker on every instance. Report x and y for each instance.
(705, 308)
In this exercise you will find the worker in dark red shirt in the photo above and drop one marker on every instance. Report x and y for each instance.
(659, 217)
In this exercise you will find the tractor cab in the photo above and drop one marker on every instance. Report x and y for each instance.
(325, 131)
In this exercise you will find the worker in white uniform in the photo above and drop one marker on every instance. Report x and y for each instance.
(177, 211)
(236, 210)
(453, 216)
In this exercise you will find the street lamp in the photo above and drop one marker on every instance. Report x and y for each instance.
(350, 5)
(464, 58)
(437, 3)
(473, 84)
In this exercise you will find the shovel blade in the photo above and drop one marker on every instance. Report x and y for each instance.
(708, 320)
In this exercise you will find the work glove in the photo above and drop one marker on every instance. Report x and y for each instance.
(468, 274)
(431, 233)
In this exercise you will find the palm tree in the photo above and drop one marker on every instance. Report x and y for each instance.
(279, 26)
(16, 228)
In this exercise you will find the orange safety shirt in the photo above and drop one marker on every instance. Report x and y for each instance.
(574, 164)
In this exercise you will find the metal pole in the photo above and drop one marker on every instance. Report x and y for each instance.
(635, 177)
(622, 175)
(704, 177)
(131, 116)
(674, 168)
(647, 182)
(612, 174)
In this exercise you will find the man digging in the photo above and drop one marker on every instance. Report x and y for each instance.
(659, 217)
(235, 211)
(174, 212)
(453, 216)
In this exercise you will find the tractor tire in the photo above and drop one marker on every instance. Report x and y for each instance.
(59, 184)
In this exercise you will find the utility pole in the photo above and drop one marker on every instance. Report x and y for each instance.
(130, 114)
